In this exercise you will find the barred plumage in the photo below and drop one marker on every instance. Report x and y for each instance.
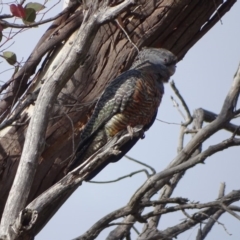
(129, 100)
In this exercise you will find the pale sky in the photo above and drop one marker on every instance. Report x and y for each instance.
(203, 77)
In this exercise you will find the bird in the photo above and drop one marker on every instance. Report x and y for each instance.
(129, 100)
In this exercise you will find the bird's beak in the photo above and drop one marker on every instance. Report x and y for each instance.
(172, 69)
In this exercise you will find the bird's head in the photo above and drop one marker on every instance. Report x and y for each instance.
(158, 60)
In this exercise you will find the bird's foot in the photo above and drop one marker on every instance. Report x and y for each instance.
(141, 132)
(130, 131)
(139, 129)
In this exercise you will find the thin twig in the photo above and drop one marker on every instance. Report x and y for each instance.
(221, 191)
(22, 26)
(176, 91)
(123, 177)
(178, 200)
(118, 223)
(216, 9)
(179, 124)
(22, 123)
(185, 213)
(176, 105)
(135, 229)
(202, 233)
(182, 207)
(30, 99)
(141, 163)
(187, 131)
(217, 221)
(129, 39)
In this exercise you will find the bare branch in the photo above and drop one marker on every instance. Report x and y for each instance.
(134, 202)
(234, 208)
(123, 177)
(168, 189)
(187, 131)
(120, 231)
(171, 123)
(22, 26)
(176, 105)
(230, 102)
(197, 217)
(30, 99)
(230, 211)
(183, 166)
(176, 91)
(181, 139)
(141, 163)
(182, 207)
(210, 116)
(118, 223)
(135, 229)
(122, 28)
(178, 200)
(191, 220)
(202, 233)
(222, 188)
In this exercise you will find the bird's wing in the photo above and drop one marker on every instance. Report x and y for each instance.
(113, 101)
(122, 151)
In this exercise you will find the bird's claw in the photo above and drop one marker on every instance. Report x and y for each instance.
(130, 131)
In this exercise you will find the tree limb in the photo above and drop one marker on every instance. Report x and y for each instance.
(202, 215)
(54, 81)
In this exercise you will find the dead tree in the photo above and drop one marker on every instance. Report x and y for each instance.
(88, 45)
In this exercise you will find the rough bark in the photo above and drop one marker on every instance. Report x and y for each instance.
(175, 25)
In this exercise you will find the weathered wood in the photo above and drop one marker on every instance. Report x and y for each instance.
(55, 78)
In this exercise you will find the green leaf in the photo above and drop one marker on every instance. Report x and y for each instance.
(36, 6)
(10, 57)
(30, 16)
